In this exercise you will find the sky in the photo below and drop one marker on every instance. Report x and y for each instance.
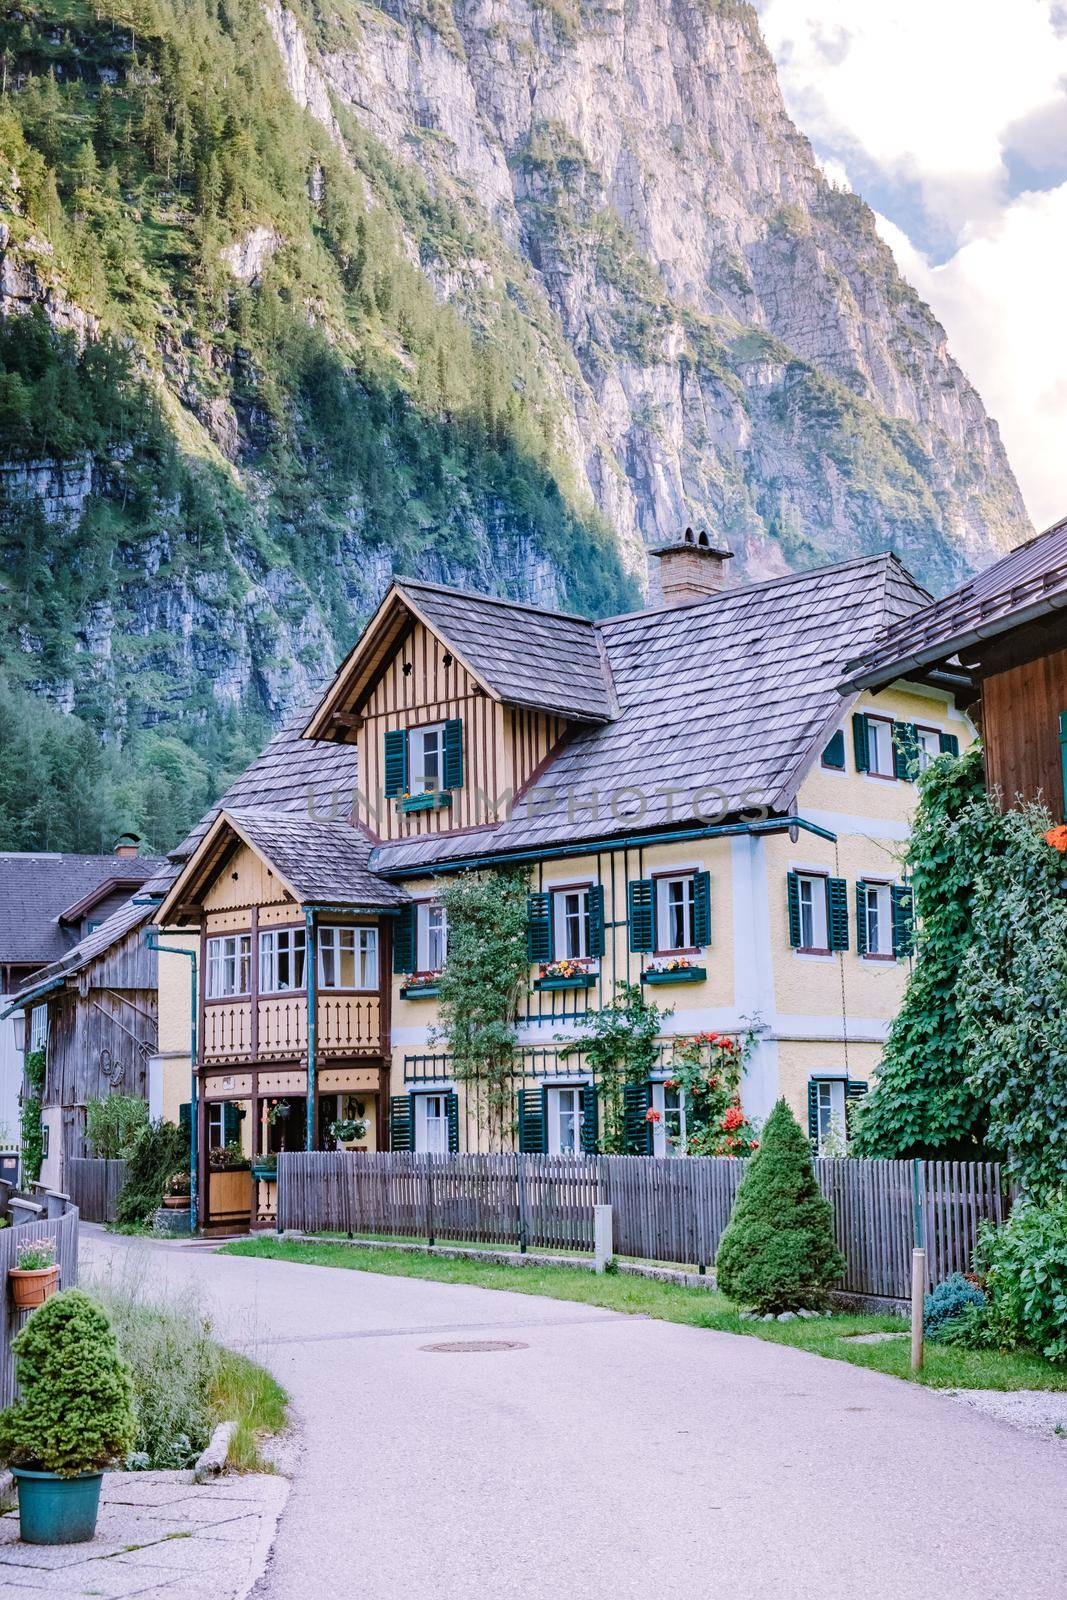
(949, 117)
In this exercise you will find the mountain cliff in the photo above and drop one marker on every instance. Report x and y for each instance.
(298, 295)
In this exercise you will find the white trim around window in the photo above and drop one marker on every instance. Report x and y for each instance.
(431, 1122)
(431, 933)
(669, 1133)
(426, 758)
(39, 1027)
(570, 921)
(348, 957)
(565, 1106)
(830, 1124)
(675, 894)
(281, 960)
(878, 918)
(229, 966)
(814, 913)
(881, 761)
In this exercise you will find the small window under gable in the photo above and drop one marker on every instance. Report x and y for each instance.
(426, 758)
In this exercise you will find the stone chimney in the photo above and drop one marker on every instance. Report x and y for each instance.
(689, 567)
(127, 844)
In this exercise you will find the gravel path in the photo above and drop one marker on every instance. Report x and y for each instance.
(612, 1457)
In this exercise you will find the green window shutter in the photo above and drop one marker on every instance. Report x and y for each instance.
(793, 887)
(452, 1113)
(702, 909)
(834, 754)
(637, 1130)
(185, 1117)
(950, 745)
(860, 743)
(453, 763)
(231, 1123)
(405, 956)
(837, 913)
(532, 1121)
(590, 1120)
(596, 919)
(395, 762)
(905, 750)
(539, 940)
(902, 920)
(402, 1122)
(641, 913)
(861, 918)
(855, 1089)
(813, 1113)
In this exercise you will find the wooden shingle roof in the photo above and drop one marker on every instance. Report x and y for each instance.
(319, 862)
(37, 889)
(722, 705)
(1029, 582)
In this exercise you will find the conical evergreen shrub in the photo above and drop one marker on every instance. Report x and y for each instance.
(778, 1252)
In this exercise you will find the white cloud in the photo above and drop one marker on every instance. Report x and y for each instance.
(929, 102)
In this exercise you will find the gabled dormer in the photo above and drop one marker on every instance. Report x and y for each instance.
(456, 702)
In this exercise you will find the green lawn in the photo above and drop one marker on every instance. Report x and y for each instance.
(945, 1368)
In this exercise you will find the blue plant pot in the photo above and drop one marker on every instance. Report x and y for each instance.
(54, 1510)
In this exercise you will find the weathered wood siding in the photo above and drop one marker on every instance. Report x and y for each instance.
(1020, 730)
(94, 1186)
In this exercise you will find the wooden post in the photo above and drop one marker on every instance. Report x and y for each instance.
(918, 1291)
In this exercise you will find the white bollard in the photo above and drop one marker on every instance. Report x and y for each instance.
(603, 1250)
(918, 1289)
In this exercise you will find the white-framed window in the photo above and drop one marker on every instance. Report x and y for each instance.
(811, 891)
(927, 746)
(281, 960)
(348, 958)
(426, 758)
(877, 908)
(570, 911)
(432, 933)
(216, 1125)
(669, 1133)
(880, 758)
(566, 1105)
(674, 912)
(38, 1027)
(431, 1123)
(830, 1115)
(229, 965)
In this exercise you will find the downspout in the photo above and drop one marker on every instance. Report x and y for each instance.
(311, 967)
(152, 941)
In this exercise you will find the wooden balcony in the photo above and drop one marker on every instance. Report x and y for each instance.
(348, 1025)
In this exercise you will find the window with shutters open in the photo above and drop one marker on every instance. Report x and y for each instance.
(683, 912)
(575, 923)
(570, 1115)
(814, 924)
(874, 917)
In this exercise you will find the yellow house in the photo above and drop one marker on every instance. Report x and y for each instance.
(694, 806)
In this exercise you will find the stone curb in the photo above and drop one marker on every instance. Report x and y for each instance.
(265, 1543)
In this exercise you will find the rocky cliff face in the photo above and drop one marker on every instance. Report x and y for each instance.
(748, 355)
(493, 290)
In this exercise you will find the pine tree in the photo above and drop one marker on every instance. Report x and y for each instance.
(778, 1252)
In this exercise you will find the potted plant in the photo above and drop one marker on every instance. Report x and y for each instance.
(36, 1277)
(176, 1191)
(345, 1129)
(74, 1417)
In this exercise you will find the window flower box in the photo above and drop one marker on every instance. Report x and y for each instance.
(674, 972)
(432, 800)
(420, 989)
(565, 975)
(265, 1171)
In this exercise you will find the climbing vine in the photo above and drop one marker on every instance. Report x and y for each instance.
(31, 1125)
(706, 1068)
(485, 973)
(620, 1048)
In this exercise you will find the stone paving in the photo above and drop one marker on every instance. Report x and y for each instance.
(160, 1537)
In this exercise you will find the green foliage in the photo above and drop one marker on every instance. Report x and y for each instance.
(923, 1103)
(480, 987)
(75, 1410)
(31, 1125)
(943, 1305)
(160, 1150)
(707, 1069)
(778, 1251)
(1025, 1267)
(619, 1047)
(114, 1124)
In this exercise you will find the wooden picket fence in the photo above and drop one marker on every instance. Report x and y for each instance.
(49, 1216)
(663, 1210)
(94, 1186)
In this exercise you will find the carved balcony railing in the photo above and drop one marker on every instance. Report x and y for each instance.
(348, 1025)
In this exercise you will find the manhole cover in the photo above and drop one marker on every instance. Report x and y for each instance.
(469, 1346)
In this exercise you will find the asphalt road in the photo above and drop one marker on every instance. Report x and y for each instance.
(607, 1457)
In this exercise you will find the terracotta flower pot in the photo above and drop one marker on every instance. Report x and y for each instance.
(32, 1286)
(176, 1202)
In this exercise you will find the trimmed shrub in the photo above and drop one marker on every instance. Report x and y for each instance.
(943, 1306)
(160, 1149)
(75, 1413)
(778, 1251)
(1025, 1268)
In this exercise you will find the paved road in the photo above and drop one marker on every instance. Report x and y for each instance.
(611, 1457)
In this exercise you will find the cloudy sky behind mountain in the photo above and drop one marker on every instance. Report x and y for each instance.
(950, 118)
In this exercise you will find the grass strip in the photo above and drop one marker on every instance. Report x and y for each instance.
(946, 1366)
